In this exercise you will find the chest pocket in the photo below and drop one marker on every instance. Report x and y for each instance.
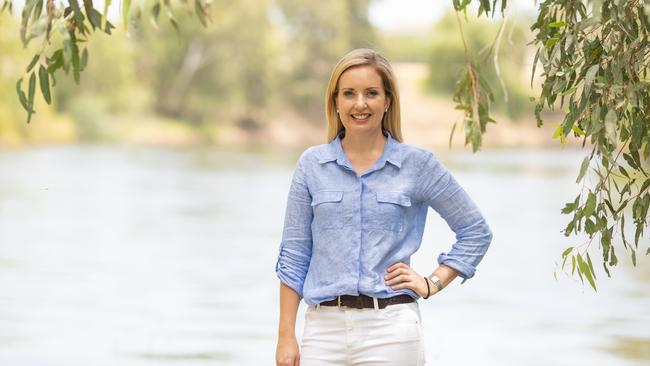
(389, 210)
(328, 209)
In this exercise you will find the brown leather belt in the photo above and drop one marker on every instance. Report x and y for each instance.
(365, 302)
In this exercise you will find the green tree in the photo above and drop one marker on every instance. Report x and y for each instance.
(63, 29)
(594, 57)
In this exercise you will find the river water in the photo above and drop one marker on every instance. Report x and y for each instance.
(147, 256)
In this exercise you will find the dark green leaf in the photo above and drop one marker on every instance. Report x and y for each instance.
(591, 266)
(630, 161)
(565, 255)
(568, 208)
(30, 96)
(590, 205)
(21, 95)
(33, 62)
(76, 64)
(623, 171)
(84, 59)
(573, 264)
(645, 185)
(606, 269)
(584, 268)
(78, 17)
(56, 61)
(44, 78)
(611, 208)
(613, 260)
(567, 251)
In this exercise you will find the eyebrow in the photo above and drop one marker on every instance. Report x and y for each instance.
(369, 88)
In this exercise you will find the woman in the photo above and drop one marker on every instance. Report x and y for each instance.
(355, 215)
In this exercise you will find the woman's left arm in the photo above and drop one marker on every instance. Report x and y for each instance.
(473, 235)
(438, 188)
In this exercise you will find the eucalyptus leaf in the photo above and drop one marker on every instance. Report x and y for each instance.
(583, 168)
(44, 79)
(30, 96)
(589, 78)
(21, 95)
(33, 62)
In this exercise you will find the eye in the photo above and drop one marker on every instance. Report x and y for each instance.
(372, 93)
(348, 93)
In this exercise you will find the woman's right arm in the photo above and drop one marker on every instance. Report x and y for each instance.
(287, 352)
(293, 263)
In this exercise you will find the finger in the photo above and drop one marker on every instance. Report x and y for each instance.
(402, 285)
(399, 279)
(394, 273)
(395, 266)
(397, 272)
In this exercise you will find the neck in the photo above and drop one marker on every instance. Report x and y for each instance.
(363, 143)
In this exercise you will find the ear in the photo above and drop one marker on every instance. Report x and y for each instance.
(388, 100)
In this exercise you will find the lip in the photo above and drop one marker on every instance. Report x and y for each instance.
(367, 117)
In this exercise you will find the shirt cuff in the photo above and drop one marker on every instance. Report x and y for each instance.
(286, 273)
(465, 270)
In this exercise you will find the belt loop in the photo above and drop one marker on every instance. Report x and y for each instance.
(317, 307)
(338, 302)
(375, 303)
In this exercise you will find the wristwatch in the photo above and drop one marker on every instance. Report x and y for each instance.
(436, 282)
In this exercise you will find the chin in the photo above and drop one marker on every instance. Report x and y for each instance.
(362, 127)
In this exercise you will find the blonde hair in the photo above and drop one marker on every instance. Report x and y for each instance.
(360, 57)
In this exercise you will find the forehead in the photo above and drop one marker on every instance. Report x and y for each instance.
(360, 77)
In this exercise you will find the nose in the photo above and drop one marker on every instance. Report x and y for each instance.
(360, 102)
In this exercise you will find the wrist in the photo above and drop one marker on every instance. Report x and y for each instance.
(286, 333)
(435, 283)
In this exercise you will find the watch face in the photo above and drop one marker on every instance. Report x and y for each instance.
(436, 281)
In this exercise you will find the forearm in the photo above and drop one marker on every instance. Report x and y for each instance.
(289, 301)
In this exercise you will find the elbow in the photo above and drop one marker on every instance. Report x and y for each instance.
(488, 235)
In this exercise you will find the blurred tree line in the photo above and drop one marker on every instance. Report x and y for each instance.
(256, 59)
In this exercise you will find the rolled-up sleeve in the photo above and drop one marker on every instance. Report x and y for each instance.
(296, 245)
(473, 235)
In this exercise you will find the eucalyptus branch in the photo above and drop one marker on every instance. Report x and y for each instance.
(496, 57)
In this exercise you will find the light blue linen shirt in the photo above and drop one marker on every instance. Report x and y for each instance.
(342, 231)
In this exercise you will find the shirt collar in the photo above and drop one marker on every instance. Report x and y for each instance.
(334, 151)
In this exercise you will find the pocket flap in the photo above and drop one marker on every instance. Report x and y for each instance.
(398, 198)
(326, 196)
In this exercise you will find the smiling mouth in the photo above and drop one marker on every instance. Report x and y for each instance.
(360, 117)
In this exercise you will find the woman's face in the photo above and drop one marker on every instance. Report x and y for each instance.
(361, 99)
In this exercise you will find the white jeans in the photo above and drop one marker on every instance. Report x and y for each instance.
(368, 337)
